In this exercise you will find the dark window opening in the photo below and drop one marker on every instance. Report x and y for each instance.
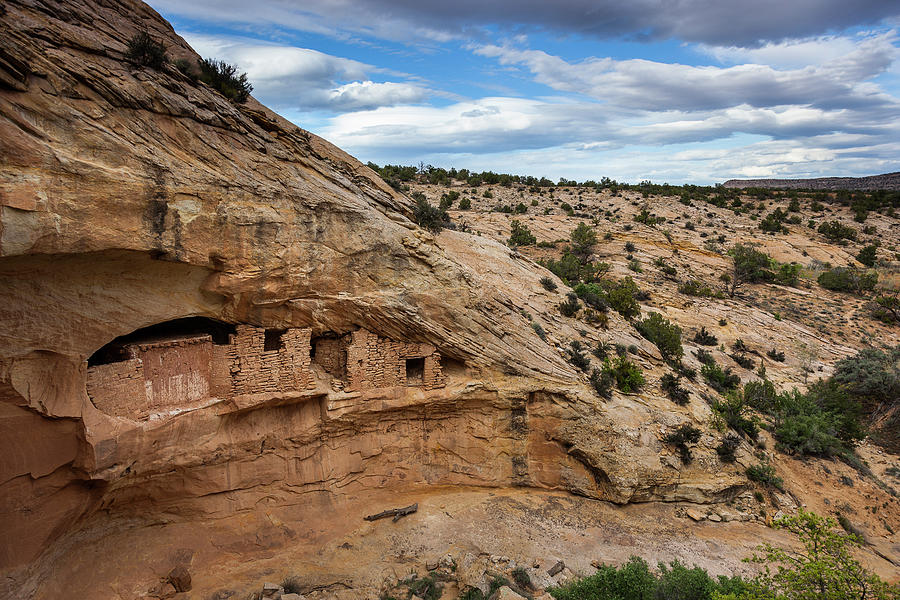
(116, 351)
(273, 340)
(415, 371)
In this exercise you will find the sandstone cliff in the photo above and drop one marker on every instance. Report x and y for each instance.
(131, 197)
(133, 202)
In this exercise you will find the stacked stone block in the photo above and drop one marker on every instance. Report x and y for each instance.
(182, 372)
(256, 370)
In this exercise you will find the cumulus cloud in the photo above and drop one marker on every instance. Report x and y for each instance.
(786, 94)
(719, 23)
(287, 77)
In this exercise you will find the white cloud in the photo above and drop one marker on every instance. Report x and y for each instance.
(657, 86)
(287, 77)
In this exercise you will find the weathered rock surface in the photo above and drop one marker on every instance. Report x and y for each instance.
(131, 197)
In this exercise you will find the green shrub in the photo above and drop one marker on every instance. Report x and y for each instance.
(821, 566)
(520, 235)
(622, 297)
(577, 356)
(292, 585)
(871, 376)
(592, 295)
(808, 433)
(837, 231)
(867, 255)
(681, 437)
(846, 279)
(145, 51)
(766, 475)
(886, 307)
(825, 421)
(602, 381)
(721, 381)
(583, 239)
(664, 334)
(521, 578)
(743, 360)
(694, 287)
(760, 395)
(775, 355)
(431, 218)
(187, 68)
(635, 581)
(704, 356)
(732, 408)
(787, 274)
(773, 223)
(426, 588)
(223, 77)
(705, 338)
(748, 266)
(539, 330)
(631, 581)
(571, 306)
(448, 199)
(671, 385)
(548, 284)
(465, 204)
(601, 350)
(570, 269)
(727, 447)
(627, 375)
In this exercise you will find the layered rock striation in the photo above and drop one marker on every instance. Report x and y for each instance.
(134, 199)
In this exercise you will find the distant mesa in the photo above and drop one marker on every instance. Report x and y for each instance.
(887, 181)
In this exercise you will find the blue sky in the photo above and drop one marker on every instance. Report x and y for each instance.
(695, 91)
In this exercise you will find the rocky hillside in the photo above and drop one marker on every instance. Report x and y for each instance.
(138, 203)
(887, 181)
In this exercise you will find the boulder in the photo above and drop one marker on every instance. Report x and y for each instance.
(505, 593)
(695, 514)
(557, 568)
(471, 573)
(180, 579)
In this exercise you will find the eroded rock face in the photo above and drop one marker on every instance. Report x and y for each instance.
(131, 197)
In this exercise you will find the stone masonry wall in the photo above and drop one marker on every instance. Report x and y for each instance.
(255, 370)
(176, 372)
(117, 387)
(330, 355)
(375, 362)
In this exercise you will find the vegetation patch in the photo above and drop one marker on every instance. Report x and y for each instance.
(145, 51)
(224, 78)
(663, 333)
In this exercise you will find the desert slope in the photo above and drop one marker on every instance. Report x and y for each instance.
(134, 198)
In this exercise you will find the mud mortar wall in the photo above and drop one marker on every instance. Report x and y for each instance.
(176, 372)
(117, 388)
(256, 370)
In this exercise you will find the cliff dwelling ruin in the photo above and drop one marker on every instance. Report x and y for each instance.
(192, 362)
